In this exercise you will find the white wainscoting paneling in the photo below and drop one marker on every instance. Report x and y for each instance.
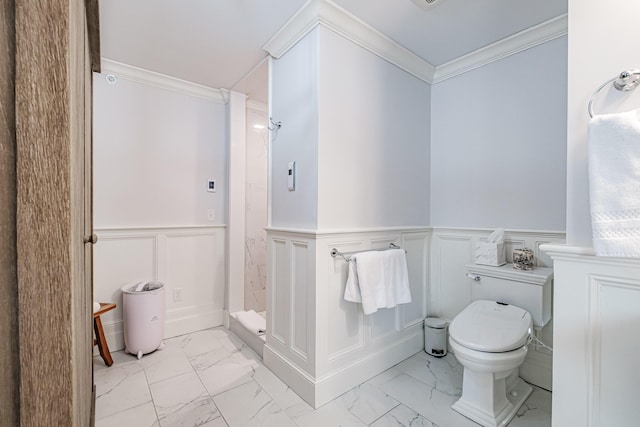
(452, 249)
(289, 298)
(417, 246)
(189, 259)
(278, 298)
(450, 292)
(300, 298)
(119, 260)
(597, 334)
(614, 347)
(349, 337)
(323, 345)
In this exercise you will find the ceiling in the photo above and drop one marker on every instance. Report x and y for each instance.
(218, 43)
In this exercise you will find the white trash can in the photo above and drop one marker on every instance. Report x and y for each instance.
(435, 336)
(143, 316)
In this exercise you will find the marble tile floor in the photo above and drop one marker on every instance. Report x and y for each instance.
(211, 378)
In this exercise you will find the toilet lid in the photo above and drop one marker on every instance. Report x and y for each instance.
(491, 327)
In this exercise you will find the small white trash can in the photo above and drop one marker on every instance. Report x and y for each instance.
(435, 336)
(143, 316)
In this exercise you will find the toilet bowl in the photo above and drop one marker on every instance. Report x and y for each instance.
(490, 339)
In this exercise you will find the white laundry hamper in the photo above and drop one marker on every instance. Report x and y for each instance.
(143, 315)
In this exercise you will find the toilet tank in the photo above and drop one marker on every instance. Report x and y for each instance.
(530, 290)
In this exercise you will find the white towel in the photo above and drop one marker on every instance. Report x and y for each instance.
(614, 183)
(252, 321)
(96, 306)
(378, 279)
(352, 289)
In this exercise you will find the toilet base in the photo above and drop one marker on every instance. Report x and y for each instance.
(516, 392)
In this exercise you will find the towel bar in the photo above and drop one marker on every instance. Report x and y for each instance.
(346, 255)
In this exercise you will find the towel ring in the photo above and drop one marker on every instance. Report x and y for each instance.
(626, 81)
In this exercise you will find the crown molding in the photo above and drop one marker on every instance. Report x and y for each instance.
(526, 39)
(337, 19)
(163, 81)
(342, 22)
(298, 26)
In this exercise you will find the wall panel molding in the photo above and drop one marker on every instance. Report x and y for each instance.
(299, 299)
(278, 280)
(442, 276)
(596, 337)
(338, 336)
(613, 302)
(189, 258)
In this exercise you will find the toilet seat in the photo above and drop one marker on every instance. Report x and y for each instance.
(491, 327)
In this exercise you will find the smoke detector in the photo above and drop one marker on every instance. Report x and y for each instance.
(425, 4)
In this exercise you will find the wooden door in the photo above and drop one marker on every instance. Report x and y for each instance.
(53, 215)
(81, 217)
(9, 357)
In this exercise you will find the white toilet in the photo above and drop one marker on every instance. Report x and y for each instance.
(490, 336)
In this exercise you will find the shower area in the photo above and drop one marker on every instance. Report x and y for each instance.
(255, 273)
(249, 323)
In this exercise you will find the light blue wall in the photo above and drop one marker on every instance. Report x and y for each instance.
(374, 140)
(294, 102)
(498, 143)
(358, 129)
(376, 147)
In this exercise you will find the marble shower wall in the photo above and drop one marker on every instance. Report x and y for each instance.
(255, 276)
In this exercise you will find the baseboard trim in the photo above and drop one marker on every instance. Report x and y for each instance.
(318, 391)
(344, 379)
(192, 319)
(298, 380)
(179, 322)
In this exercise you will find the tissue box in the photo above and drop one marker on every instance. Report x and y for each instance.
(490, 254)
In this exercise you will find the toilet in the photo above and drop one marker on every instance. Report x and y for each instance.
(490, 337)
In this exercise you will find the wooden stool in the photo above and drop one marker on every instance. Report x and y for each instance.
(100, 339)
